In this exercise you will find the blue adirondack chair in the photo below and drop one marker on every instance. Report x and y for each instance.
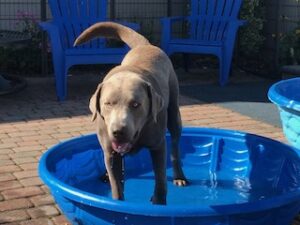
(213, 25)
(70, 18)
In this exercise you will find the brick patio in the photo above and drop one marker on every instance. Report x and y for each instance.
(32, 120)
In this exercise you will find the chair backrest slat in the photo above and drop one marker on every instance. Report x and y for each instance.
(214, 30)
(202, 7)
(220, 7)
(210, 18)
(83, 8)
(73, 16)
(211, 7)
(236, 8)
(228, 8)
(221, 30)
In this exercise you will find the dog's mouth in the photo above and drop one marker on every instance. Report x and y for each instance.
(121, 148)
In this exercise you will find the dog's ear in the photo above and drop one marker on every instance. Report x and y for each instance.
(156, 102)
(95, 102)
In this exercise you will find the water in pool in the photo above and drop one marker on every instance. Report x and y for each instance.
(204, 188)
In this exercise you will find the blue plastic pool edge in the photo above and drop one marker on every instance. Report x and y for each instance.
(280, 100)
(157, 210)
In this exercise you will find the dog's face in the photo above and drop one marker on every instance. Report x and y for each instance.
(125, 102)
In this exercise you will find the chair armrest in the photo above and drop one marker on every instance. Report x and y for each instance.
(48, 26)
(167, 30)
(53, 32)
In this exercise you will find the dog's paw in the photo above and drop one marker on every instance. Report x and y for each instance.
(180, 182)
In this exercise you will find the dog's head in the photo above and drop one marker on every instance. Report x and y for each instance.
(125, 102)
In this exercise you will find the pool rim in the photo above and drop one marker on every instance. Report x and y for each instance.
(281, 100)
(142, 209)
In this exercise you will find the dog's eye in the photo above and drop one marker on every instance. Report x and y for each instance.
(135, 105)
(108, 104)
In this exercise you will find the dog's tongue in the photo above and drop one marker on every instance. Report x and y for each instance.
(121, 147)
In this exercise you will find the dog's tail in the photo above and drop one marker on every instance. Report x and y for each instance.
(112, 30)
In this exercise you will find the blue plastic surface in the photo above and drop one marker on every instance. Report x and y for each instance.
(212, 28)
(286, 95)
(235, 179)
(68, 21)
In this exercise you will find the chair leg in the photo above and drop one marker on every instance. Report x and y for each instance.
(224, 71)
(61, 86)
(60, 82)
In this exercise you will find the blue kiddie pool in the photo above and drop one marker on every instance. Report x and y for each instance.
(235, 179)
(286, 95)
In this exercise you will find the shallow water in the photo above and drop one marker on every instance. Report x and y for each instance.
(201, 190)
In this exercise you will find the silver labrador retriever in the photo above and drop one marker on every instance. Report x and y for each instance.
(134, 105)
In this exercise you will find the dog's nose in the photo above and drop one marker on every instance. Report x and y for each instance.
(118, 133)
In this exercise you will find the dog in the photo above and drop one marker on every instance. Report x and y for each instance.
(134, 105)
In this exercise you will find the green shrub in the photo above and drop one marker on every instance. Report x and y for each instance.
(251, 35)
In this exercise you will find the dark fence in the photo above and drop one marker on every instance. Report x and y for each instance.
(282, 18)
(11, 12)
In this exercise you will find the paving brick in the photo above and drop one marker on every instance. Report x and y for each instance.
(40, 221)
(37, 138)
(13, 223)
(5, 151)
(61, 220)
(13, 216)
(25, 160)
(11, 184)
(40, 200)
(8, 145)
(11, 140)
(29, 166)
(50, 144)
(31, 181)
(28, 143)
(22, 192)
(22, 134)
(61, 136)
(25, 174)
(3, 136)
(4, 156)
(42, 211)
(6, 177)
(48, 131)
(25, 154)
(28, 148)
(29, 126)
(14, 204)
(5, 162)
(45, 189)
(9, 168)
(8, 130)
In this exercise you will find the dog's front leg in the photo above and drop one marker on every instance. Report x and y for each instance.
(158, 156)
(113, 164)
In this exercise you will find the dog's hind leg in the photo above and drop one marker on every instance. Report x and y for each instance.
(174, 126)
